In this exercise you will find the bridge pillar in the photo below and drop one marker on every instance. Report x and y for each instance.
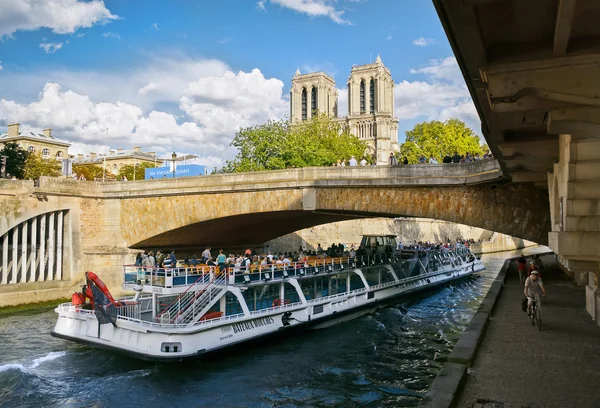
(574, 192)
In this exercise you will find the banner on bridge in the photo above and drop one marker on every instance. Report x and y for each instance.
(181, 171)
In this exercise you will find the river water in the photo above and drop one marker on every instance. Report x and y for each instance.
(388, 359)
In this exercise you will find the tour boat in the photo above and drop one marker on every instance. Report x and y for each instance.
(184, 312)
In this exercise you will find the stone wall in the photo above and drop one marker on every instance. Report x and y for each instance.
(406, 229)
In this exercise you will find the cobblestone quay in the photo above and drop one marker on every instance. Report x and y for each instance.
(517, 366)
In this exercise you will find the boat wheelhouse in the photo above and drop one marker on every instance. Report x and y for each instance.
(188, 311)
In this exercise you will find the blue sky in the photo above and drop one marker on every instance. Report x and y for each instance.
(184, 75)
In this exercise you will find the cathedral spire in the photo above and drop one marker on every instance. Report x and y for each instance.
(297, 71)
(378, 60)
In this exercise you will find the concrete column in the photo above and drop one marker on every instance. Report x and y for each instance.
(33, 250)
(24, 257)
(42, 276)
(4, 259)
(51, 246)
(59, 245)
(15, 254)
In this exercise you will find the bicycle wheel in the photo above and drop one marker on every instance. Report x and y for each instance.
(538, 319)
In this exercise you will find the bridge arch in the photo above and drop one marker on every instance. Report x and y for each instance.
(254, 217)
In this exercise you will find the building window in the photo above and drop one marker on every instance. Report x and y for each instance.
(59, 153)
(362, 96)
(45, 153)
(31, 149)
(313, 102)
(115, 168)
(304, 101)
(372, 95)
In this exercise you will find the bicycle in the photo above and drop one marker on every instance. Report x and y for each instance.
(535, 315)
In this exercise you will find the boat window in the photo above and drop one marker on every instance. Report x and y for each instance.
(232, 305)
(380, 241)
(169, 347)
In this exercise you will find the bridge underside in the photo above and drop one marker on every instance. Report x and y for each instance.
(246, 229)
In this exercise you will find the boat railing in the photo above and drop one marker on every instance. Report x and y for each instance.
(167, 277)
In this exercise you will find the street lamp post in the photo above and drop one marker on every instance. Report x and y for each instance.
(174, 156)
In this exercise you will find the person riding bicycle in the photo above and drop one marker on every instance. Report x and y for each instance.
(522, 268)
(534, 287)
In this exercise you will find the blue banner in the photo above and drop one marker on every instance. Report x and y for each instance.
(181, 171)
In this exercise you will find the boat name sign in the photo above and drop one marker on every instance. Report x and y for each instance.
(252, 324)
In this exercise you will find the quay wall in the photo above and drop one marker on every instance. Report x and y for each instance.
(407, 230)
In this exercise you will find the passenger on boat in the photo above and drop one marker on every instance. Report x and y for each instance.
(193, 262)
(221, 259)
(319, 249)
(206, 254)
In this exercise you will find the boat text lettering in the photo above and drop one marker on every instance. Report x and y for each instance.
(252, 324)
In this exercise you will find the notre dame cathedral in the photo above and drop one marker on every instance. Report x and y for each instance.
(370, 105)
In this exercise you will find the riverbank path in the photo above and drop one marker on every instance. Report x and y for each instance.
(518, 366)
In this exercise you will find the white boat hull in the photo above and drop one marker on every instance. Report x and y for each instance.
(160, 342)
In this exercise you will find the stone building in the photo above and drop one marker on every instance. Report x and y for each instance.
(33, 142)
(370, 105)
(118, 158)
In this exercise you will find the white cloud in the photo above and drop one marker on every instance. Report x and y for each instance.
(109, 34)
(148, 88)
(342, 102)
(155, 26)
(51, 48)
(1, 67)
(61, 16)
(442, 94)
(313, 8)
(423, 42)
(389, 37)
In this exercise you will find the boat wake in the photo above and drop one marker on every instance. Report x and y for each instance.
(53, 355)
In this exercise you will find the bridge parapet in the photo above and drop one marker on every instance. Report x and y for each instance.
(483, 171)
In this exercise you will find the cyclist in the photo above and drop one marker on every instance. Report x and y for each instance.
(534, 287)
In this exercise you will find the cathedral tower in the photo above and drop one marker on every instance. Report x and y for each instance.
(371, 108)
(312, 94)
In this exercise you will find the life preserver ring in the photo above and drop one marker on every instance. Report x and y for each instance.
(279, 302)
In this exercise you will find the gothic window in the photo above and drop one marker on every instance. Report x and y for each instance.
(304, 101)
(45, 153)
(372, 95)
(313, 102)
(31, 149)
(362, 96)
(59, 153)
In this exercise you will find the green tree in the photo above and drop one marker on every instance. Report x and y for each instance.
(37, 166)
(89, 171)
(440, 138)
(15, 159)
(279, 145)
(140, 171)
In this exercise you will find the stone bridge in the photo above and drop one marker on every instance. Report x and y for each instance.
(101, 223)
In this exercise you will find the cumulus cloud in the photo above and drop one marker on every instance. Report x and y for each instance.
(51, 48)
(423, 42)
(61, 16)
(209, 104)
(440, 95)
(313, 8)
(155, 26)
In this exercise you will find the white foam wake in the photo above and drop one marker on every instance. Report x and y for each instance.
(48, 357)
(34, 364)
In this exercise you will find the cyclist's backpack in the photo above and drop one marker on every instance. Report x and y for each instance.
(524, 304)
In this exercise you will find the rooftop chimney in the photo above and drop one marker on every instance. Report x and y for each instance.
(152, 154)
(80, 156)
(112, 151)
(48, 132)
(137, 149)
(13, 130)
(120, 149)
(93, 155)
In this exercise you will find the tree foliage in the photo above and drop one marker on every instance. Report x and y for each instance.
(37, 166)
(140, 171)
(15, 160)
(440, 138)
(89, 171)
(279, 145)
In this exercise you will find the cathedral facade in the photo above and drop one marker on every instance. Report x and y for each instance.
(370, 105)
